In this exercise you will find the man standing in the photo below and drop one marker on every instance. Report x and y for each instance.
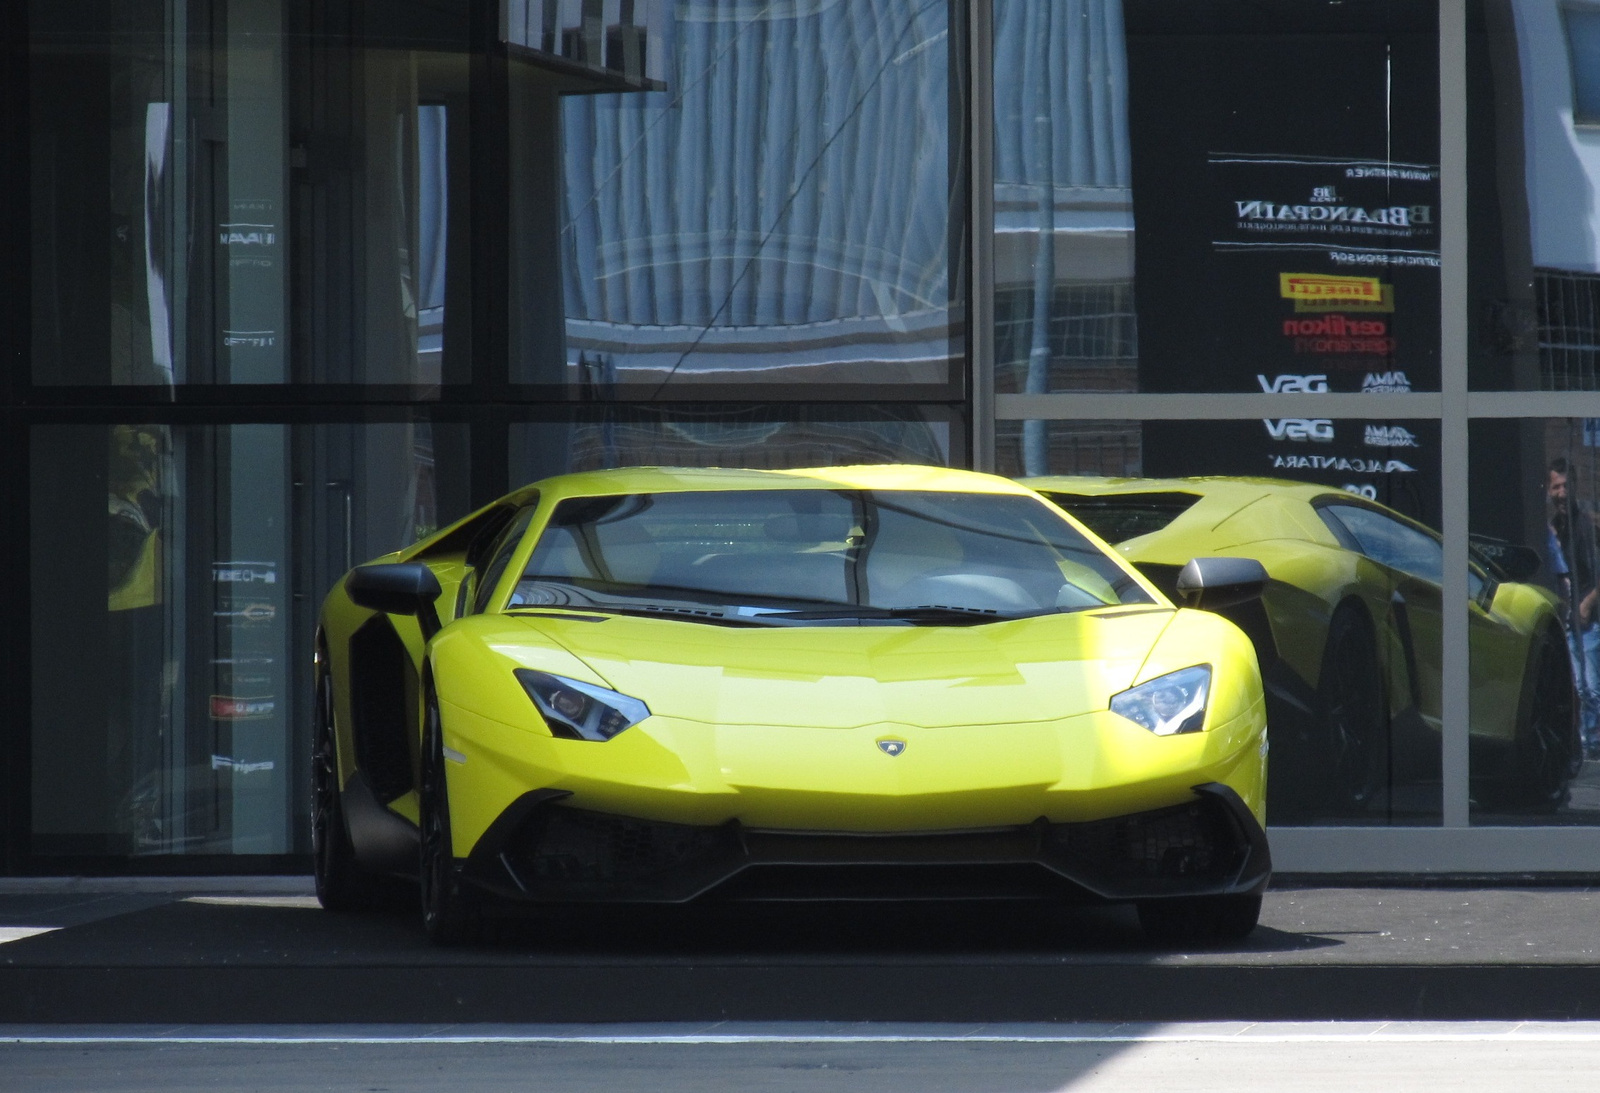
(1575, 562)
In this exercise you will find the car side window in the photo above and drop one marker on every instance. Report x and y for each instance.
(499, 557)
(1389, 542)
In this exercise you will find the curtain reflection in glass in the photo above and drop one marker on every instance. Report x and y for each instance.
(770, 439)
(433, 191)
(781, 213)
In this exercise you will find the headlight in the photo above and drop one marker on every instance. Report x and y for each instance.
(580, 711)
(1170, 704)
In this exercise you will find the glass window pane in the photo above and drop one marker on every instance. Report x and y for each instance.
(1535, 628)
(1348, 632)
(1582, 25)
(171, 657)
(1188, 197)
(218, 200)
(500, 557)
(1534, 244)
(1390, 542)
(787, 211)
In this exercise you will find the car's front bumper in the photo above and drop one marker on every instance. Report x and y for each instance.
(541, 850)
(1079, 768)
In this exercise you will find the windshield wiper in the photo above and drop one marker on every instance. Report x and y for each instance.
(929, 613)
(713, 616)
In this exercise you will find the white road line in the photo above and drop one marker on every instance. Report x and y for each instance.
(1199, 1032)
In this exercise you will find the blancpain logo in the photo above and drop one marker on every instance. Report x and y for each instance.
(1385, 383)
(1392, 216)
(1292, 385)
(1389, 436)
(1300, 429)
(1339, 463)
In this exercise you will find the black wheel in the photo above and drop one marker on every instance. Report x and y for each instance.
(1199, 920)
(1546, 752)
(1352, 716)
(341, 883)
(450, 912)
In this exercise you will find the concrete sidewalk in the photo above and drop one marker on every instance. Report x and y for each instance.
(260, 950)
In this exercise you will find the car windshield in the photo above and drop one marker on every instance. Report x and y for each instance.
(780, 557)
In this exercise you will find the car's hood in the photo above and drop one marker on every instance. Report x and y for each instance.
(1024, 670)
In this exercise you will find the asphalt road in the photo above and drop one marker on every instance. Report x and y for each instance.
(1465, 1058)
(1321, 954)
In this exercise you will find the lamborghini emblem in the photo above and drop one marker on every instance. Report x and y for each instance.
(891, 747)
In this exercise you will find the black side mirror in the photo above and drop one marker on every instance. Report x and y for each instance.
(1213, 583)
(397, 588)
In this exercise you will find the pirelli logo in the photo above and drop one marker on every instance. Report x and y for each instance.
(1328, 292)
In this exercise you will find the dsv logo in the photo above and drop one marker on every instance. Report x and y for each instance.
(1299, 428)
(1293, 385)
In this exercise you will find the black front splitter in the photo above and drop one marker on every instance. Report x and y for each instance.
(543, 851)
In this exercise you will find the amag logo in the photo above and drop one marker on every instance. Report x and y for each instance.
(1390, 436)
(1385, 383)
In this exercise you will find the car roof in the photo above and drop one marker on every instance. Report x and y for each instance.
(1240, 490)
(1229, 511)
(692, 479)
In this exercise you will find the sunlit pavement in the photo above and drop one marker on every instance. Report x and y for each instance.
(731, 1056)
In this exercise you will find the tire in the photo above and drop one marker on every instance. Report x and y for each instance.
(1352, 714)
(1546, 751)
(342, 885)
(450, 912)
(1199, 920)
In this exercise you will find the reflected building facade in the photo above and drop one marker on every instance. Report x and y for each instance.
(305, 282)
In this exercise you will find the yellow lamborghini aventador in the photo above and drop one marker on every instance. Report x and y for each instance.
(659, 684)
(1347, 634)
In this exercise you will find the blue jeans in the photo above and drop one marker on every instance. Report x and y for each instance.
(1584, 649)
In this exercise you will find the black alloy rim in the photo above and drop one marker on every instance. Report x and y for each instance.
(435, 872)
(324, 779)
(1354, 715)
(1550, 737)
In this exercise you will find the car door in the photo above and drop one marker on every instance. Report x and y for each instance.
(1414, 557)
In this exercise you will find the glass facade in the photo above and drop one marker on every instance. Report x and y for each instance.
(1259, 215)
(309, 282)
(306, 281)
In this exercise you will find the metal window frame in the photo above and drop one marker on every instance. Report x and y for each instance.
(1454, 846)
